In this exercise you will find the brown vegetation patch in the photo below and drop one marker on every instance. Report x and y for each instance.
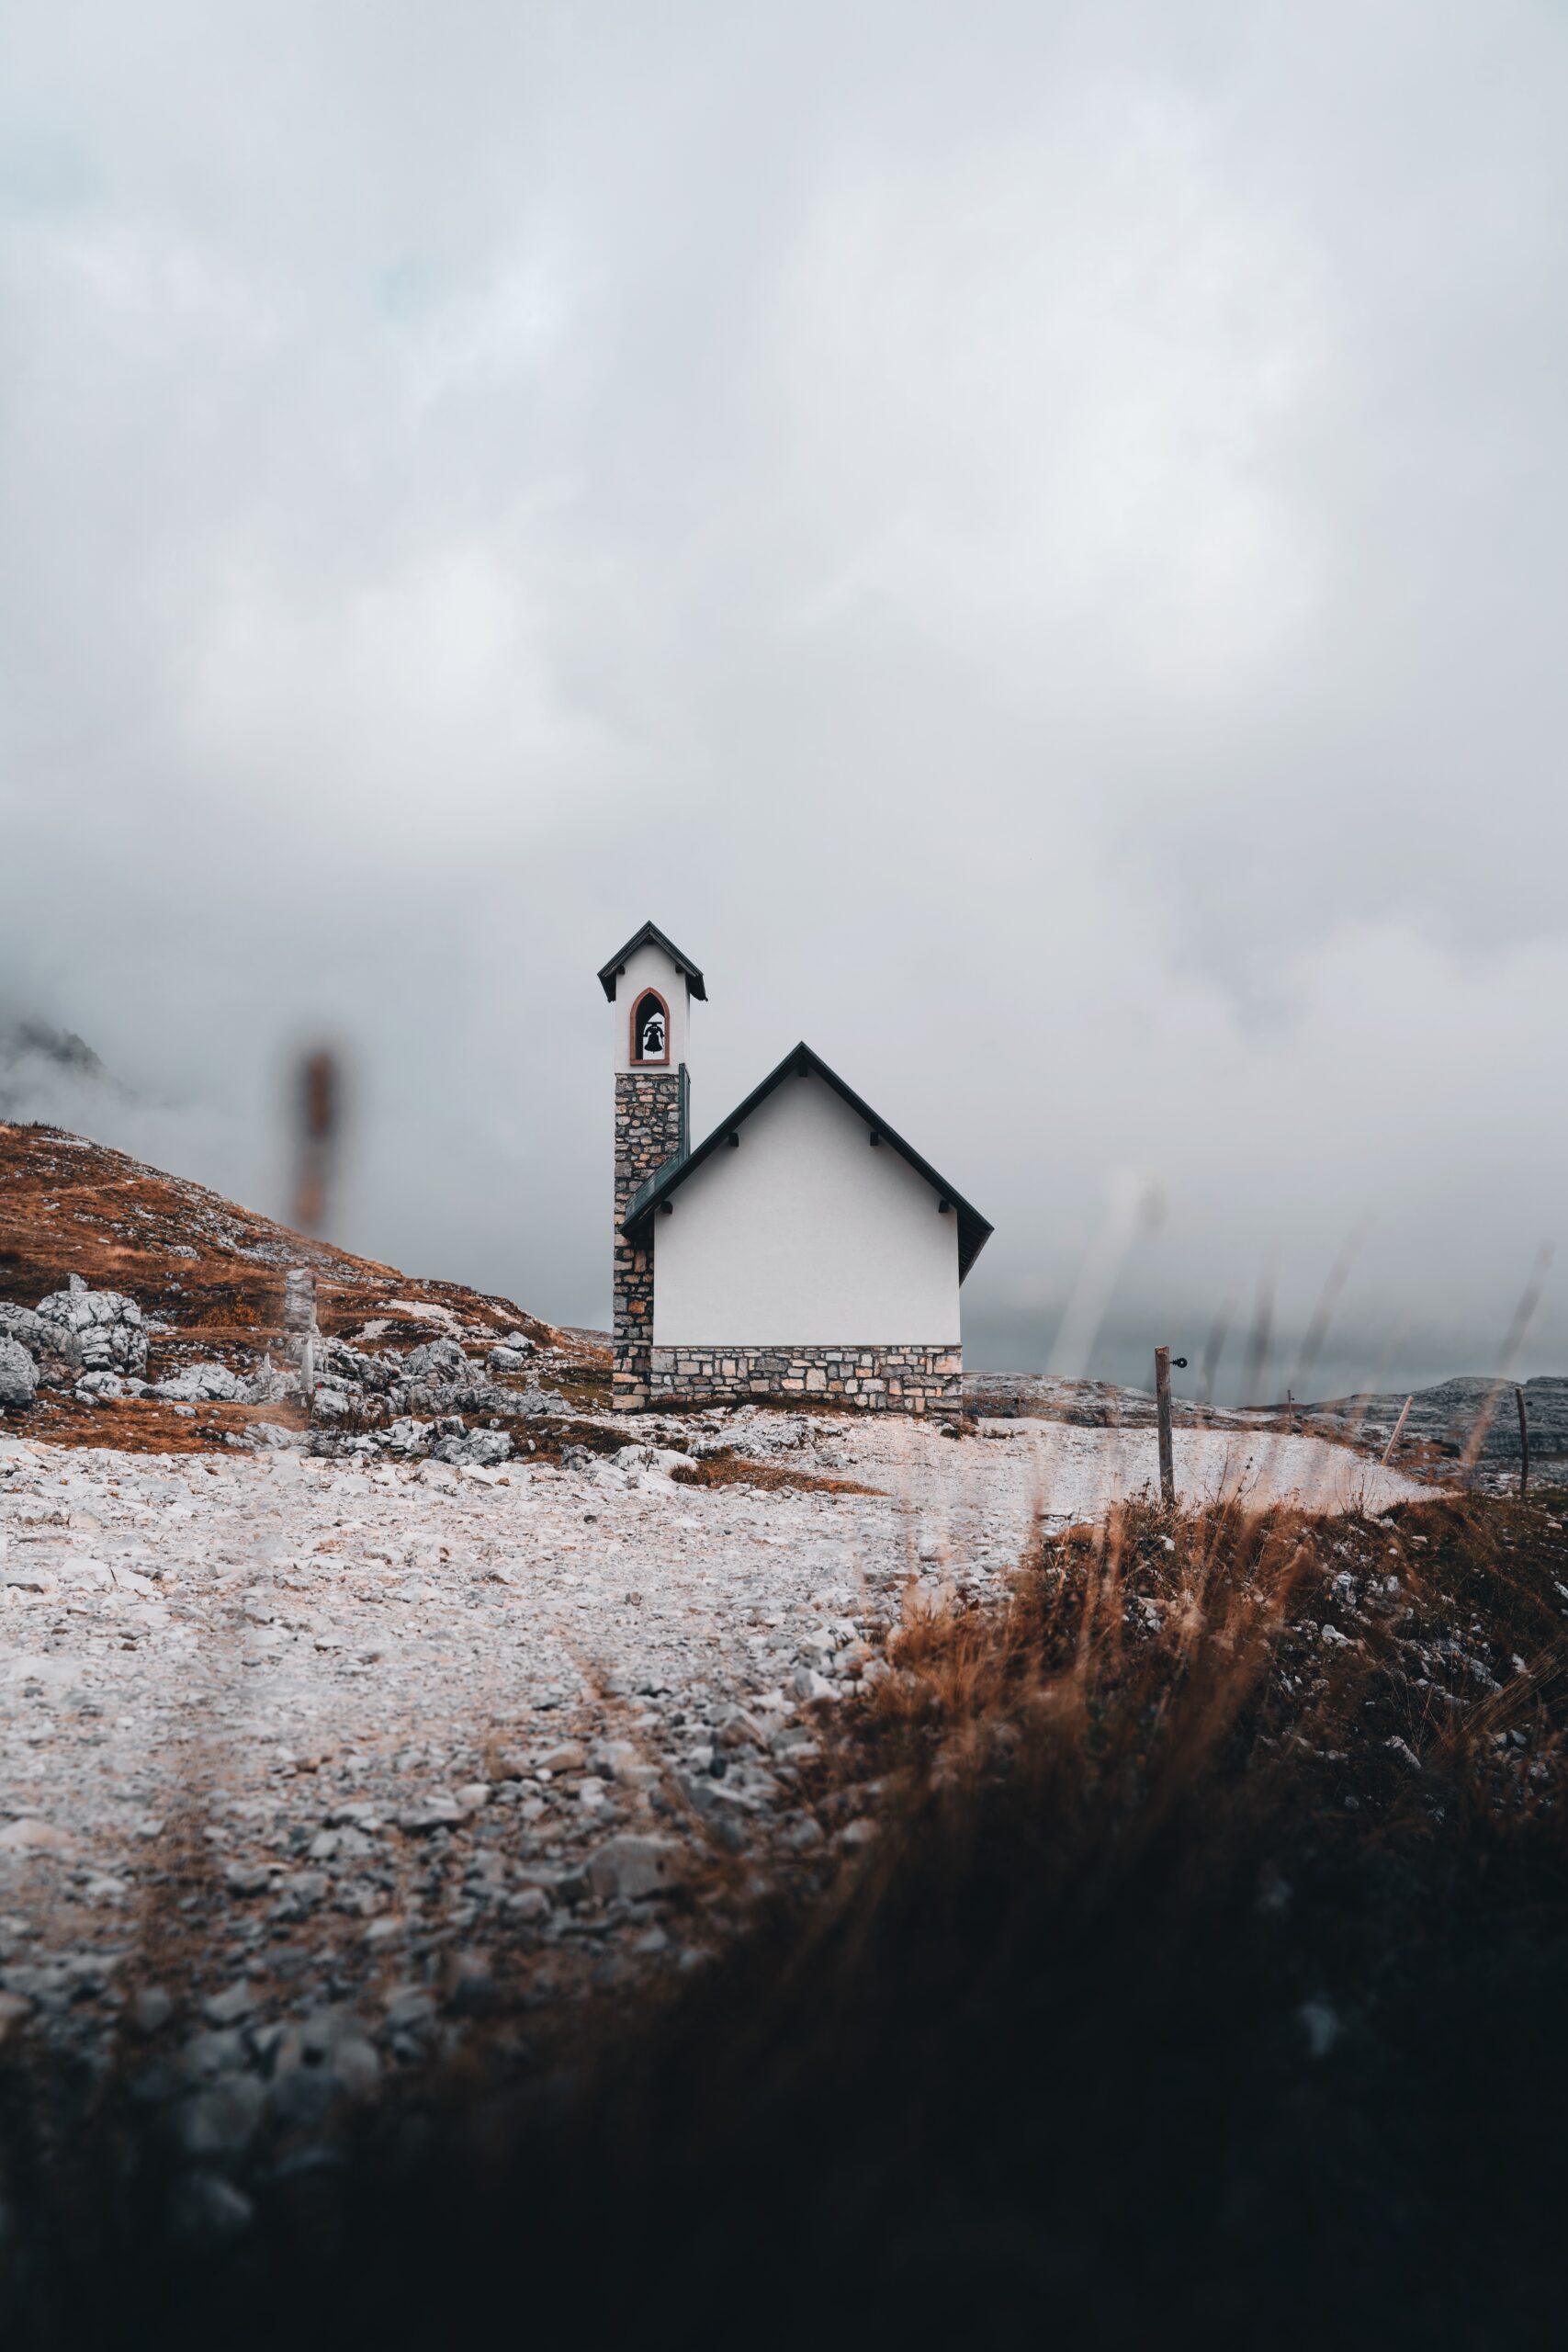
(142, 1424)
(727, 1468)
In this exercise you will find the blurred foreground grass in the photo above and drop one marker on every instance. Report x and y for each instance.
(1207, 1981)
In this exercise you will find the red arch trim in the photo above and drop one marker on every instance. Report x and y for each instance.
(655, 1061)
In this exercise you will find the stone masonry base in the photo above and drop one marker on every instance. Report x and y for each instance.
(871, 1380)
(649, 1129)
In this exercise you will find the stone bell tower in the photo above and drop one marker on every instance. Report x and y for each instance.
(649, 984)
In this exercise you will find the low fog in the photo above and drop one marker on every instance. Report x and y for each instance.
(1028, 540)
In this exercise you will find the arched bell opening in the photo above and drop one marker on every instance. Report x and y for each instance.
(650, 1029)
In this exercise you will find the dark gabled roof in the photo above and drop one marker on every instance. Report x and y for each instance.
(973, 1231)
(609, 973)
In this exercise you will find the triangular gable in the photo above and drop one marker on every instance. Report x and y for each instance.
(973, 1230)
(609, 973)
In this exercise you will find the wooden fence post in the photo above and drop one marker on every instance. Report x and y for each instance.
(1393, 1433)
(1524, 1442)
(1162, 1406)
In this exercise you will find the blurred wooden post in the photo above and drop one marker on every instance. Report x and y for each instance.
(1393, 1433)
(1162, 1406)
(1524, 1443)
(317, 1105)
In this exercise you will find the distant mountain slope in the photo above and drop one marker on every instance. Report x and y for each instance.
(1468, 1413)
(1444, 1422)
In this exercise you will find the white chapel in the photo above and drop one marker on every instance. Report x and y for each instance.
(802, 1248)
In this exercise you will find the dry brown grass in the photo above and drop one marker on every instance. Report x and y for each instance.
(1230, 1650)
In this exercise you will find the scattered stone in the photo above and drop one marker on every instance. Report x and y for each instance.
(409, 2009)
(31, 1835)
(323, 2060)
(567, 1884)
(630, 1868)
(437, 1813)
(808, 1685)
(207, 2208)
(1321, 2024)
(229, 2007)
(206, 2056)
(151, 2009)
(31, 1577)
(221, 2120)
(299, 1892)
(474, 1992)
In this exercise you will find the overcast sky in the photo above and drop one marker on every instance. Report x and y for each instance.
(1031, 538)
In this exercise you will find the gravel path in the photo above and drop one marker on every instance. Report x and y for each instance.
(277, 1727)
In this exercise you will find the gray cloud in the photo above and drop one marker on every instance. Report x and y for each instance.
(1027, 538)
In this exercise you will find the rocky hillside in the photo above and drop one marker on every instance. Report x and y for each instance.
(148, 1280)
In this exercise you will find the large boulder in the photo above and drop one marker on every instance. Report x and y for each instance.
(440, 1363)
(20, 1323)
(204, 1383)
(92, 1331)
(18, 1374)
(335, 1360)
(107, 1387)
(486, 1448)
(406, 1436)
(439, 1378)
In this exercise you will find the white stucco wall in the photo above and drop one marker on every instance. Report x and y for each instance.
(650, 969)
(804, 1236)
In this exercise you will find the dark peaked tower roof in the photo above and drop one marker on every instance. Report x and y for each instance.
(611, 972)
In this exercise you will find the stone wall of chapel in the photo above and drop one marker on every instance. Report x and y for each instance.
(912, 1379)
